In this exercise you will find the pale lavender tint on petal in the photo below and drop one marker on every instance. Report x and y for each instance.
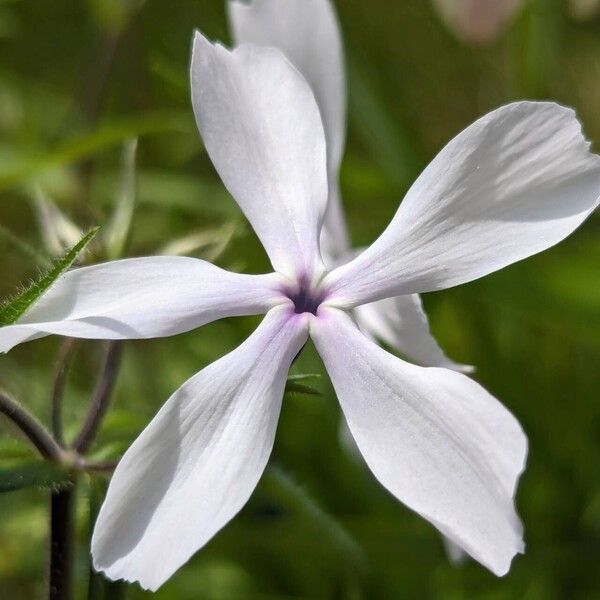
(514, 183)
(197, 463)
(139, 298)
(401, 323)
(262, 129)
(308, 33)
(433, 437)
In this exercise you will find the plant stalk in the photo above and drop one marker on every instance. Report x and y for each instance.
(32, 428)
(100, 397)
(65, 354)
(62, 505)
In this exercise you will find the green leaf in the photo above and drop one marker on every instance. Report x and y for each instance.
(303, 377)
(87, 145)
(298, 388)
(19, 304)
(294, 387)
(118, 230)
(33, 473)
(11, 449)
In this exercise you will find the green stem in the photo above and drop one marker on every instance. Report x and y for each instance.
(32, 428)
(100, 397)
(62, 505)
(65, 354)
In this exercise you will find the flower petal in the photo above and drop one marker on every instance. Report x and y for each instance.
(402, 323)
(195, 466)
(335, 240)
(477, 21)
(141, 298)
(308, 33)
(262, 129)
(433, 437)
(516, 182)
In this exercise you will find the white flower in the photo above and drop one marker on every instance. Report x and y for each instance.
(477, 21)
(307, 32)
(512, 184)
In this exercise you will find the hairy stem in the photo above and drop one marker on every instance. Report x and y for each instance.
(100, 397)
(65, 354)
(31, 427)
(62, 504)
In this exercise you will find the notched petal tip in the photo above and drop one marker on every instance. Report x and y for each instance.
(150, 584)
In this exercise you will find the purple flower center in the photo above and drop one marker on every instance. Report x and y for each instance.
(306, 299)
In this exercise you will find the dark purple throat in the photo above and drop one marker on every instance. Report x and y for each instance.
(305, 298)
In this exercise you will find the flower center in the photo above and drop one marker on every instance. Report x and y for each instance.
(305, 298)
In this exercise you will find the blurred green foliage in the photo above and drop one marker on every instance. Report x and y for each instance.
(78, 78)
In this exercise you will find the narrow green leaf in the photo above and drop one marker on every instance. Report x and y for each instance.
(20, 303)
(11, 449)
(118, 231)
(33, 473)
(299, 388)
(293, 385)
(303, 377)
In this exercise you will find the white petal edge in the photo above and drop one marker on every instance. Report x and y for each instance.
(262, 129)
(433, 437)
(514, 183)
(401, 322)
(139, 298)
(197, 463)
(308, 33)
(335, 239)
(456, 555)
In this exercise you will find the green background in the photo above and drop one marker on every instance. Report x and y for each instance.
(77, 78)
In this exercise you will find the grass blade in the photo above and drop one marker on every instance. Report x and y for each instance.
(293, 385)
(119, 228)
